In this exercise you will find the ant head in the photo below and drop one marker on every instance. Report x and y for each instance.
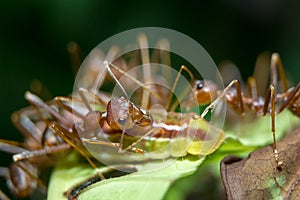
(119, 113)
(204, 91)
(140, 117)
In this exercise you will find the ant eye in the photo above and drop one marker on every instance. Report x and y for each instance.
(200, 85)
(121, 121)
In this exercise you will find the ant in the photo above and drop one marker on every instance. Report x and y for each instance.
(206, 92)
(42, 132)
(138, 127)
(43, 145)
(47, 130)
(32, 154)
(23, 170)
(122, 117)
(40, 138)
(135, 126)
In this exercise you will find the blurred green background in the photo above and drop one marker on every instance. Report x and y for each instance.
(34, 35)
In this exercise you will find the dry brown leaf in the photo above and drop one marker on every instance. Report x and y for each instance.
(257, 177)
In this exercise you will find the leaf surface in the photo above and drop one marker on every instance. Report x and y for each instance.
(139, 185)
(257, 176)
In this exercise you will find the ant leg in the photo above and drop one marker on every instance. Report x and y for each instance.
(3, 196)
(251, 83)
(137, 150)
(99, 142)
(174, 106)
(212, 106)
(63, 133)
(31, 171)
(163, 48)
(24, 122)
(63, 101)
(277, 64)
(292, 97)
(97, 59)
(99, 97)
(22, 179)
(271, 97)
(161, 54)
(12, 147)
(108, 65)
(144, 47)
(40, 152)
(24, 154)
(20, 153)
(261, 72)
(37, 87)
(83, 91)
(33, 121)
(76, 56)
(39, 103)
(19, 166)
(114, 145)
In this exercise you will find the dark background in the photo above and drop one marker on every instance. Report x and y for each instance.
(34, 35)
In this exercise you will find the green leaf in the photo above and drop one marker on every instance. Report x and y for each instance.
(259, 133)
(155, 184)
(139, 185)
(239, 142)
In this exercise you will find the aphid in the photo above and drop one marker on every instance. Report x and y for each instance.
(206, 92)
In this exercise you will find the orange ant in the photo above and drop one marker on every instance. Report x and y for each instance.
(122, 117)
(17, 171)
(32, 154)
(45, 135)
(206, 92)
(41, 139)
(135, 127)
(41, 127)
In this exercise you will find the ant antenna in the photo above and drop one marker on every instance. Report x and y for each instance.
(36, 101)
(183, 67)
(143, 45)
(85, 100)
(115, 78)
(134, 80)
